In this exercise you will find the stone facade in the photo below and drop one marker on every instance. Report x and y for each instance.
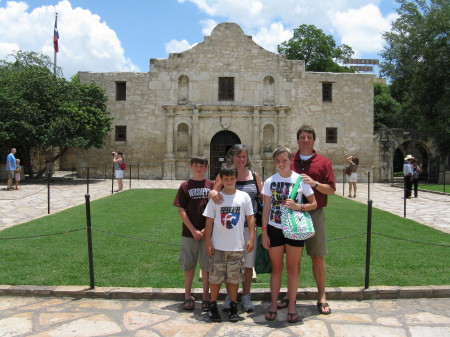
(175, 110)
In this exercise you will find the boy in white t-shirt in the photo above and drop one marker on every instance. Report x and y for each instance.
(225, 244)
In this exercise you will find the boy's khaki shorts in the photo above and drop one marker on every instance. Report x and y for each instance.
(226, 267)
(192, 251)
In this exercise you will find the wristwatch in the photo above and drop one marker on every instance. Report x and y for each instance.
(317, 184)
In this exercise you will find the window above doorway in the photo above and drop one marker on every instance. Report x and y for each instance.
(226, 88)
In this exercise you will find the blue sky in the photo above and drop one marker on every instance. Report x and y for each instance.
(114, 36)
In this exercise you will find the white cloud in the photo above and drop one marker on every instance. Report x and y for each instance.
(358, 23)
(86, 43)
(208, 26)
(362, 28)
(270, 38)
(175, 46)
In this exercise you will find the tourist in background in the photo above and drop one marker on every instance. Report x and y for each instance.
(118, 161)
(408, 175)
(10, 168)
(352, 178)
(417, 169)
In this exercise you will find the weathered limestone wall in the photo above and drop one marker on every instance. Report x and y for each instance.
(174, 110)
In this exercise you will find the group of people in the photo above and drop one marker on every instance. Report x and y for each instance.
(13, 170)
(219, 229)
(411, 171)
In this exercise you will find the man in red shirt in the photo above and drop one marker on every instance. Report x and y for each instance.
(316, 170)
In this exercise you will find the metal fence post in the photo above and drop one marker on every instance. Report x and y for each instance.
(89, 237)
(48, 191)
(368, 185)
(130, 177)
(368, 242)
(87, 181)
(112, 179)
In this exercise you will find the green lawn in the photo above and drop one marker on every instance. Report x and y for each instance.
(137, 233)
(437, 188)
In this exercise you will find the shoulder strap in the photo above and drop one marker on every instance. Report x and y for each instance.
(256, 183)
(295, 188)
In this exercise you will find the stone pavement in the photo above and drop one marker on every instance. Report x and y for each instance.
(377, 311)
(69, 317)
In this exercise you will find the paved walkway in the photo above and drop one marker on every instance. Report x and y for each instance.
(402, 312)
(64, 317)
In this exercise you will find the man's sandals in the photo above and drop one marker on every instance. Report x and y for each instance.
(323, 308)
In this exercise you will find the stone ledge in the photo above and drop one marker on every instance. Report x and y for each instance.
(259, 294)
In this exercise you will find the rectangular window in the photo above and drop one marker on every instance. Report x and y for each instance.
(226, 88)
(331, 135)
(121, 91)
(121, 133)
(327, 93)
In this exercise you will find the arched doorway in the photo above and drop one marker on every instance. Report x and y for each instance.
(220, 144)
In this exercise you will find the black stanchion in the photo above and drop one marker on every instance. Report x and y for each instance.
(444, 181)
(89, 237)
(48, 191)
(263, 174)
(368, 185)
(112, 180)
(130, 177)
(87, 180)
(368, 242)
(404, 198)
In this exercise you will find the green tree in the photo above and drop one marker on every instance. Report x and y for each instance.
(39, 109)
(386, 109)
(318, 50)
(417, 62)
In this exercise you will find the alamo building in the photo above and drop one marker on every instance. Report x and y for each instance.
(229, 90)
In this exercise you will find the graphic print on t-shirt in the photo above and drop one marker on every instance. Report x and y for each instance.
(280, 192)
(229, 216)
(198, 193)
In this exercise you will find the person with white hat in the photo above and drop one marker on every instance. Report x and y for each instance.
(408, 175)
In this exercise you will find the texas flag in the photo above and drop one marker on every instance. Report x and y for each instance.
(56, 36)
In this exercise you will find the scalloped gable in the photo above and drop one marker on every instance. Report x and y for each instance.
(227, 46)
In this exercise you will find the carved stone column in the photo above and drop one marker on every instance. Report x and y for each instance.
(195, 132)
(169, 168)
(256, 133)
(281, 127)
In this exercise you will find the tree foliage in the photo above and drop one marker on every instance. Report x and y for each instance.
(39, 109)
(387, 111)
(417, 62)
(318, 50)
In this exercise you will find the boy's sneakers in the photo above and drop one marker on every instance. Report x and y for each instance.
(233, 315)
(226, 303)
(213, 312)
(246, 302)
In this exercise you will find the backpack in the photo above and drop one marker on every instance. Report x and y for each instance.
(123, 166)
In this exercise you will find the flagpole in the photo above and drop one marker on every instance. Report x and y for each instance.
(55, 52)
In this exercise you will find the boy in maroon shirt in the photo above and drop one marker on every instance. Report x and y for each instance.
(191, 200)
